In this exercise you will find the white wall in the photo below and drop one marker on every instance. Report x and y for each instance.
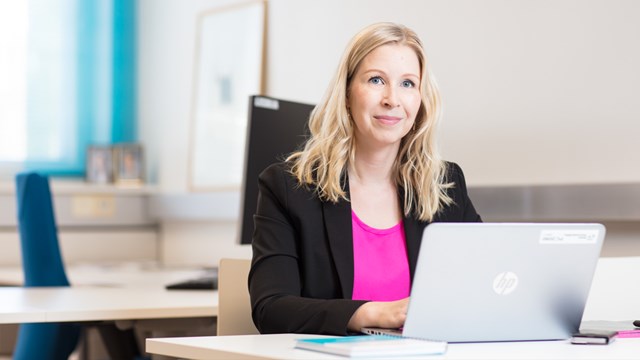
(535, 92)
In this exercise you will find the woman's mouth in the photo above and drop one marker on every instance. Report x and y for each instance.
(388, 120)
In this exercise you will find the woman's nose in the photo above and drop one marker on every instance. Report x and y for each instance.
(389, 98)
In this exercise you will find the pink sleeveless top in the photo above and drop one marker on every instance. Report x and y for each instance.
(380, 265)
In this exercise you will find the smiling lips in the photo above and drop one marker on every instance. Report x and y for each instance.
(388, 120)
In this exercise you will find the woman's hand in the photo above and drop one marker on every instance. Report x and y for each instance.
(388, 314)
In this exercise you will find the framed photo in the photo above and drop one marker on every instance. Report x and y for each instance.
(226, 73)
(99, 165)
(128, 164)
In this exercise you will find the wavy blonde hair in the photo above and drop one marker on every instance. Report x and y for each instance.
(418, 168)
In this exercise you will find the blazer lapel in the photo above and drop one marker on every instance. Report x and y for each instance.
(413, 229)
(337, 222)
(413, 235)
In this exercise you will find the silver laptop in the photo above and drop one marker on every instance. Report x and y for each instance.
(478, 282)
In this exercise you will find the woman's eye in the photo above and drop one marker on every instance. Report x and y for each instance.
(408, 84)
(376, 80)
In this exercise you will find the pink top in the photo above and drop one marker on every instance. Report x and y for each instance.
(380, 265)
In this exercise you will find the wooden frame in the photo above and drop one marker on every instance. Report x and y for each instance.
(99, 164)
(128, 164)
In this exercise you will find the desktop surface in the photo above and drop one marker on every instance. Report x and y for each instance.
(102, 293)
(66, 304)
(281, 346)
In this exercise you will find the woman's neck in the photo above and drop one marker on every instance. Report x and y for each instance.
(372, 188)
(373, 167)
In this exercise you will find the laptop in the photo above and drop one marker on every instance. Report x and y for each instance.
(481, 282)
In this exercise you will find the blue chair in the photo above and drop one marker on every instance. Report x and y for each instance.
(42, 266)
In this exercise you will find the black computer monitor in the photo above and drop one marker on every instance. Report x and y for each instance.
(275, 128)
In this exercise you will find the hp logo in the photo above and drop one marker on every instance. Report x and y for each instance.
(505, 283)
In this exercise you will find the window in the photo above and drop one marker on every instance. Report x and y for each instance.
(13, 87)
(70, 73)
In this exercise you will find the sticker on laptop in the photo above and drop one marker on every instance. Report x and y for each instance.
(568, 237)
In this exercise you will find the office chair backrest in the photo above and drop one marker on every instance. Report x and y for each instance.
(41, 259)
(234, 307)
(42, 266)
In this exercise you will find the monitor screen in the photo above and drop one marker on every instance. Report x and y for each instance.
(275, 128)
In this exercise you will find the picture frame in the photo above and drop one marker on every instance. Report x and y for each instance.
(128, 164)
(99, 164)
(227, 71)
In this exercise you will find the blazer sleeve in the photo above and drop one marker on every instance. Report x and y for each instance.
(276, 280)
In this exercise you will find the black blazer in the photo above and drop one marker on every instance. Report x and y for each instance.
(301, 277)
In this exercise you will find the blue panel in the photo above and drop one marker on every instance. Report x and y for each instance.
(124, 71)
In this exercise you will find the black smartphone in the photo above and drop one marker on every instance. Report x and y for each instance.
(594, 337)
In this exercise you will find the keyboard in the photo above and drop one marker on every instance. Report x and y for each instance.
(205, 282)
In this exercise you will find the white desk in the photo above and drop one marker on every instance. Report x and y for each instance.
(615, 295)
(61, 304)
(112, 294)
(280, 346)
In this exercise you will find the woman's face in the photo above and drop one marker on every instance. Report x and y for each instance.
(384, 96)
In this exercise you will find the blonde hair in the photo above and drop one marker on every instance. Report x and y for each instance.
(418, 168)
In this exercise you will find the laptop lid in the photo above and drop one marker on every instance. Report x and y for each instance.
(479, 282)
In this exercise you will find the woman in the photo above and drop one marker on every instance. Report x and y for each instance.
(338, 225)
